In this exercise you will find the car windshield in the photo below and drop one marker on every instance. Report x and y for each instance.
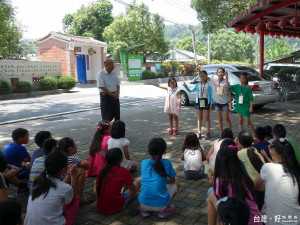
(248, 69)
(251, 77)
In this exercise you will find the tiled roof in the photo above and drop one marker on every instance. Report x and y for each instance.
(73, 38)
(183, 55)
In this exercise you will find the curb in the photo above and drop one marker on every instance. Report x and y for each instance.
(32, 94)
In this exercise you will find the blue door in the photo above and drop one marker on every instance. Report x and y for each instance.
(81, 68)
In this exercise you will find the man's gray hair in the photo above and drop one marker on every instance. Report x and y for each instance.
(107, 61)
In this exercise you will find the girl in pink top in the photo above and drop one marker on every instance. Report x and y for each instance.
(98, 149)
(231, 180)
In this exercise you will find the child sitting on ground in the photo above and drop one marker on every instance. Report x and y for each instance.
(118, 140)
(211, 156)
(49, 194)
(68, 146)
(98, 149)
(231, 180)
(159, 184)
(261, 145)
(3, 187)
(39, 139)
(251, 158)
(268, 131)
(16, 154)
(11, 212)
(278, 132)
(38, 164)
(110, 198)
(193, 155)
(233, 211)
(9, 173)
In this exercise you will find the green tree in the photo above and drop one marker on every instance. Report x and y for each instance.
(278, 49)
(178, 32)
(230, 46)
(89, 20)
(138, 31)
(10, 31)
(187, 44)
(215, 14)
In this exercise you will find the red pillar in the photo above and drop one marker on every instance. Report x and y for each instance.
(261, 67)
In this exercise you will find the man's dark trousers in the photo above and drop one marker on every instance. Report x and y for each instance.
(110, 107)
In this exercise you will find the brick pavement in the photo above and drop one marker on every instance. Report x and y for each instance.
(140, 128)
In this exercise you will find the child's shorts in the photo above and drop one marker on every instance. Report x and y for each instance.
(211, 189)
(23, 173)
(172, 190)
(197, 175)
(207, 106)
(127, 197)
(221, 107)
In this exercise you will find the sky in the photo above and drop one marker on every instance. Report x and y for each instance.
(40, 17)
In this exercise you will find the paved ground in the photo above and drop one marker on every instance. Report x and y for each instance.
(140, 128)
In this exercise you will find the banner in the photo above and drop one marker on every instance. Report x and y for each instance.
(123, 57)
(134, 67)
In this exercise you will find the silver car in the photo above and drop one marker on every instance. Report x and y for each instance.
(264, 91)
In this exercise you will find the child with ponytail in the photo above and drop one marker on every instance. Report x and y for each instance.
(159, 184)
(68, 146)
(98, 149)
(109, 184)
(49, 195)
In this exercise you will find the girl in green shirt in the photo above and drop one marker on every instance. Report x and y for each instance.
(244, 100)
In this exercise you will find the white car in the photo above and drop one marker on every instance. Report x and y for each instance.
(264, 91)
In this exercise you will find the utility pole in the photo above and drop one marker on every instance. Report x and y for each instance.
(208, 49)
(194, 44)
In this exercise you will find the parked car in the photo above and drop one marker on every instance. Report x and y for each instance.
(276, 67)
(229, 67)
(264, 91)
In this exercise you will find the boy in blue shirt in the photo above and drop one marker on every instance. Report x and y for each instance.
(16, 154)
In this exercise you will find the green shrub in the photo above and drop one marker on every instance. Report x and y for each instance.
(286, 74)
(148, 75)
(160, 75)
(66, 82)
(23, 87)
(189, 68)
(166, 68)
(48, 83)
(174, 66)
(298, 76)
(269, 74)
(4, 87)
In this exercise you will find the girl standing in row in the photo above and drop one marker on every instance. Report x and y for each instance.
(244, 99)
(172, 104)
(222, 97)
(204, 102)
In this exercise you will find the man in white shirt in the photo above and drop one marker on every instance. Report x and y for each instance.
(108, 84)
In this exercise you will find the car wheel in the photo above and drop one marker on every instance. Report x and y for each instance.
(184, 99)
(258, 106)
(233, 102)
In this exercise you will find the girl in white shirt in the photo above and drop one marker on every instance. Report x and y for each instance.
(281, 182)
(49, 194)
(118, 140)
(193, 155)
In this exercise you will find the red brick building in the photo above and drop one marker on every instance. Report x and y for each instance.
(80, 57)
